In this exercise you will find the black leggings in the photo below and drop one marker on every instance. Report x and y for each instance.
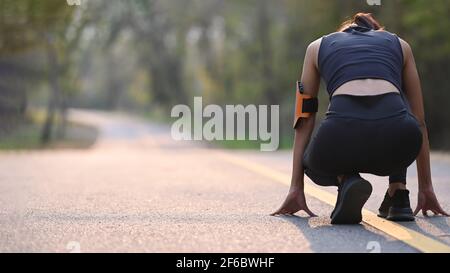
(364, 134)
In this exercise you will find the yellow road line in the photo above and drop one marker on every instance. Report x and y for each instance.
(410, 237)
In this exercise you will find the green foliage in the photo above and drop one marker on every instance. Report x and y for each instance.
(23, 22)
(26, 135)
(152, 54)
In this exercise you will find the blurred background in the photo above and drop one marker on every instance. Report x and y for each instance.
(145, 56)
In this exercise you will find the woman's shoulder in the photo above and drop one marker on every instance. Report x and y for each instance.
(315, 44)
(406, 50)
(405, 44)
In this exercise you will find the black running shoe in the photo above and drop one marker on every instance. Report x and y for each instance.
(383, 211)
(337, 201)
(353, 194)
(339, 196)
(400, 209)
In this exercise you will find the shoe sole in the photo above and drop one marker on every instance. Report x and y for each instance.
(382, 214)
(400, 215)
(353, 198)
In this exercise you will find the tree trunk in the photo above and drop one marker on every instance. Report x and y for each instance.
(267, 74)
(53, 101)
(62, 126)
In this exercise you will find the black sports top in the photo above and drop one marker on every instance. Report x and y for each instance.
(360, 53)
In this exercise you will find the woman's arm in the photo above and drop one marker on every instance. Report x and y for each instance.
(311, 80)
(412, 87)
(295, 201)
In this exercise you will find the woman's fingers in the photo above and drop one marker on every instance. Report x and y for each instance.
(283, 211)
(278, 212)
(310, 213)
(441, 211)
(275, 212)
(436, 211)
(417, 210)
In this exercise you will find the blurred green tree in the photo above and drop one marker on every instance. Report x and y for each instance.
(152, 54)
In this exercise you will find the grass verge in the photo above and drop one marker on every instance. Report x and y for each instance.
(26, 133)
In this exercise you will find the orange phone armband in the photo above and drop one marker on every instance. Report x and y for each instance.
(305, 105)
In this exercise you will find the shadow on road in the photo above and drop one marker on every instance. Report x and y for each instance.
(324, 237)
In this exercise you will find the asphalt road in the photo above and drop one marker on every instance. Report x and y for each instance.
(137, 190)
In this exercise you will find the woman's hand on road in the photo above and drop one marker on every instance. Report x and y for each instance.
(427, 201)
(295, 201)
